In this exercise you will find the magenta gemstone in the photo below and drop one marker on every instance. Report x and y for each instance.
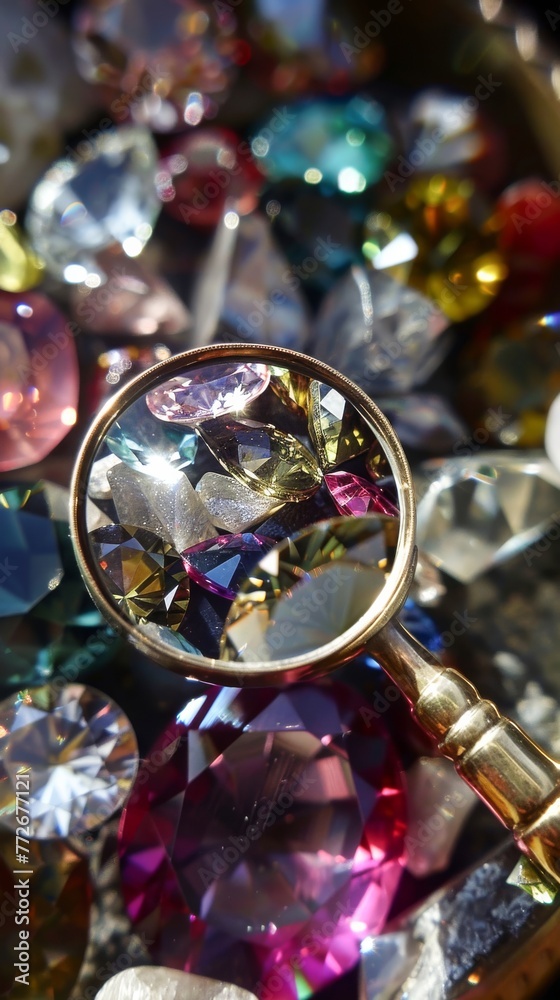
(264, 836)
(205, 171)
(211, 391)
(221, 564)
(38, 379)
(354, 496)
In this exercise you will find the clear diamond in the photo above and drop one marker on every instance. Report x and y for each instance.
(209, 392)
(86, 202)
(71, 754)
(477, 512)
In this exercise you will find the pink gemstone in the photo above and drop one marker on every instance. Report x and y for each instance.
(208, 392)
(204, 171)
(263, 821)
(355, 496)
(221, 564)
(38, 379)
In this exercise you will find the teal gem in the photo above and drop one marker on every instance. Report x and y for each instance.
(148, 445)
(342, 144)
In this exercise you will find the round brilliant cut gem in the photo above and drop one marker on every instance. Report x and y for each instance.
(212, 391)
(271, 817)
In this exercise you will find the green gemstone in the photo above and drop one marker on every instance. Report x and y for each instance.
(336, 429)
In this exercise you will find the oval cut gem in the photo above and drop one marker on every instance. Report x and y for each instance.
(212, 391)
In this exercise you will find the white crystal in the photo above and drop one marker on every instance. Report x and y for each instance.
(158, 983)
(168, 506)
(439, 804)
(98, 484)
(231, 505)
(87, 202)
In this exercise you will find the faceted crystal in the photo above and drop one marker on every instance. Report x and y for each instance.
(354, 496)
(167, 505)
(526, 876)
(38, 379)
(311, 588)
(31, 561)
(439, 805)
(149, 446)
(221, 564)
(144, 574)
(292, 388)
(231, 505)
(90, 200)
(165, 67)
(346, 145)
(20, 268)
(148, 982)
(71, 754)
(476, 512)
(336, 429)
(263, 458)
(425, 422)
(270, 819)
(60, 897)
(376, 462)
(208, 392)
(382, 335)
(203, 172)
(123, 296)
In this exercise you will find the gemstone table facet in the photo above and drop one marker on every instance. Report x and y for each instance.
(71, 754)
(274, 818)
(38, 379)
(212, 391)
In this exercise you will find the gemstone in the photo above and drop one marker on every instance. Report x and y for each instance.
(311, 588)
(221, 564)
(527, 877)
(552, 433)
(458, 264)
(425, 422)
(92, 199)
(231, 505)
(148, 982)
(149, 446)
(247, 292)
(38, 379)
(336, 429)
(206, 171)
(377, 464)
(60, 897)
(70, 754)
(144, 574)
(123, 296)
(167, 70)
(477, 511)
(274, 818)
(343, 144)
(260, 456)
(20, 268)
(209, 391)
(292, 388)
(354, 496)
(48, 624)
(166, 505)
(428, 588)
(382, 335)
(439, 804)
(527, 217)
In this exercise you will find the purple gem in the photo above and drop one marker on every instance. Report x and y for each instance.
(354, 496)
(221, 564)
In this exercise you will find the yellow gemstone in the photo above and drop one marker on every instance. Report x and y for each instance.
(291, 387)
(432, 240)
(20, 268)
(525, 876)
(336, 429)
(310, 588)
(260, 456)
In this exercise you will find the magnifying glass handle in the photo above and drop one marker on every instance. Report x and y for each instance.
(511, 774)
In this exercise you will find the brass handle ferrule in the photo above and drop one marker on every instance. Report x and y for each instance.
(510, 773)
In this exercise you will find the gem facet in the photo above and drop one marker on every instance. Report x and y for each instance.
(144, 574)
(275, 818)
(476, 512)
(208, 392)
(262, 457)
(84, 204)
(353, 495)
(221, 564)
(231, 505)
(75, 751)
(336, 429)
(149, 446)
(38, 379)
(148, 982)
(310, 588)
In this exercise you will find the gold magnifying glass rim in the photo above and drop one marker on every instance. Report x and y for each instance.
(259, 673)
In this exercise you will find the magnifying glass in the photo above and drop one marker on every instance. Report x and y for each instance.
(245, 516)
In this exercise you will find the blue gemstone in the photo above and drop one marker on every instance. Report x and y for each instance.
(147, 444)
